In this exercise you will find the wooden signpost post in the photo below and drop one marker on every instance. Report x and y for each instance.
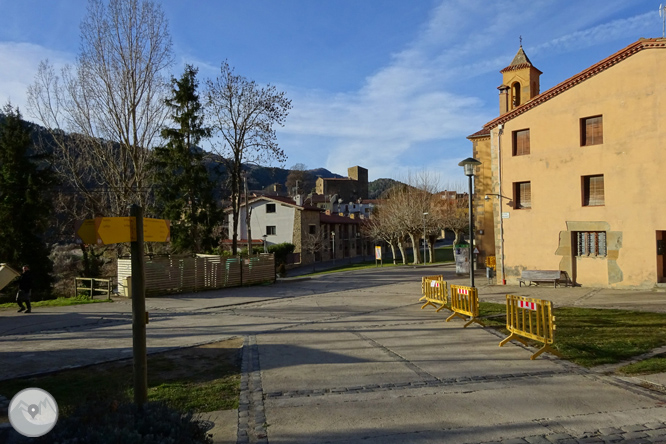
(137, 230)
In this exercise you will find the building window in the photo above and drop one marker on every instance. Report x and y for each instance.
(522, 195)
(270, 230)
(270, 208)
(313, 229)
(593, 190)
(521, 142)
(591, 131)
(591, 243)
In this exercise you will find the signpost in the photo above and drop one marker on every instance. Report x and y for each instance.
(116, 230)
(137, 230)
(85, 230)
(378, 255)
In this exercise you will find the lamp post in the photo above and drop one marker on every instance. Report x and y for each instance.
(469, 165)
(333, 237)
(265, 246)
(424, 238)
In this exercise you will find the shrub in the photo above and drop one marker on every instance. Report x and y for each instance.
(281, 251)
(110, 423)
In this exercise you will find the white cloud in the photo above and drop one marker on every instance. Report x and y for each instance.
(424, 103)
(19, 66)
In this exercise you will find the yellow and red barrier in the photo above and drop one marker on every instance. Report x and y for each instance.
(435, 291)
(423, 284)
(465, 303)
(530, 318)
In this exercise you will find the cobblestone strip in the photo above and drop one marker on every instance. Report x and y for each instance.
(652, 433)
(251, 413)
(411, 385)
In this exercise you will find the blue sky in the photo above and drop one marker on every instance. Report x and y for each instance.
(391, 85)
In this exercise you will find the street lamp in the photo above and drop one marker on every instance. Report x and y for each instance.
(265, 246)
(424, 238)
(333, 237)
(469, 165)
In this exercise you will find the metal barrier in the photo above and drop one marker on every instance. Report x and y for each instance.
(93, 286)
(465, 302)
(531, 318)
(435, 291)
(490, 262)
(423, 284)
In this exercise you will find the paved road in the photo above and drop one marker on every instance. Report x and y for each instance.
(351, 357)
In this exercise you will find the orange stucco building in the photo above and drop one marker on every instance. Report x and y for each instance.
(574, 176)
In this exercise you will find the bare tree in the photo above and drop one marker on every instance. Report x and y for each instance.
(299, 179)
(382, 227)
(243, 115)
(110, 101)
(313, 244)
(452, 213)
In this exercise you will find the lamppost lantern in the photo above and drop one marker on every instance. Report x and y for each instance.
(265, 246)
(469, 165)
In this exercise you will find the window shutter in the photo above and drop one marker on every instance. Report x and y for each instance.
(596, 190)
(594, 133)
(525, 195)
(522, 142)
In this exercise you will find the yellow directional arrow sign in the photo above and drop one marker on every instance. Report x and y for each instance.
(156, 230)
(85, 230)
(113, 230)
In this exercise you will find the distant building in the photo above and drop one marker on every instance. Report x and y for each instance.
(278, 219)
(349, 189)
(574, 175)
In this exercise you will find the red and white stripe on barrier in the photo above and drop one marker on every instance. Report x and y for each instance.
(463, 291)
(528, 305)
(434, 284)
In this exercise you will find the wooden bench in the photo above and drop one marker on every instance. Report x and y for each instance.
(529, 277)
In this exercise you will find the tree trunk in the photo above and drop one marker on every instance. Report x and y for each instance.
(431, 248)
(415, 248)
(401, 245)
(392, 245)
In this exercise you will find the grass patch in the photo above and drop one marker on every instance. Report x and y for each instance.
(655, 364)
(592, 337)
(59, 302)
(200, 379)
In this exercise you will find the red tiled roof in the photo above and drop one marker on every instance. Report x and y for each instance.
(481, 133)
(658, 43)
(281, 199)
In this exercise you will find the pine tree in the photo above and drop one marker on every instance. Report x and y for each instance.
(24, 202)
(184, 191)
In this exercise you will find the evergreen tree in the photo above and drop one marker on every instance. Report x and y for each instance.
(184, 191)
(24, 205)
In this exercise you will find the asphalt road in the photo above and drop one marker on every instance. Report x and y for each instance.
(351, 358)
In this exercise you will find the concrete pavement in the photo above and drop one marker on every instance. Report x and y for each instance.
(350, 357)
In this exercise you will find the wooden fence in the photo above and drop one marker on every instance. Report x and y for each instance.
(92, 287)
(204, 272)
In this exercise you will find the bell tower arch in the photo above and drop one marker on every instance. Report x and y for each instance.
(520, 82)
